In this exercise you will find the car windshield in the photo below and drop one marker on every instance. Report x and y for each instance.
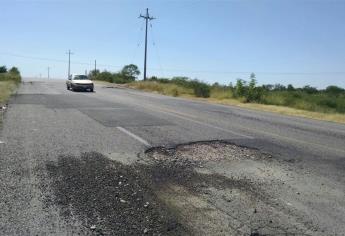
(80, 77)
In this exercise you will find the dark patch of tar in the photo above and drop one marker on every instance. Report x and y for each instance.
(115, 198)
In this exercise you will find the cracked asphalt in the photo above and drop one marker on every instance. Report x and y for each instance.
(63, 156)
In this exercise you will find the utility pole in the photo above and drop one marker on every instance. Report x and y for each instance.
(48, 72)
(69, 63)
(147, 17)
(95, 66)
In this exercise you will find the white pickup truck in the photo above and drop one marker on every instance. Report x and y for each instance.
(79, 82)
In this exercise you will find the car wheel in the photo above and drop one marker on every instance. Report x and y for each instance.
(91, 90)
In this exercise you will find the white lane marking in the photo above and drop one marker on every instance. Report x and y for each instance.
(134, 136)
(1, 142)
(208, 125)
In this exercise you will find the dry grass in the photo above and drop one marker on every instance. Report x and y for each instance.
(165, 89)
(6, 89)
(334, 117)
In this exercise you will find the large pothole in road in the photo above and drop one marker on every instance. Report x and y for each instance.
(198, 152)
(166, 195)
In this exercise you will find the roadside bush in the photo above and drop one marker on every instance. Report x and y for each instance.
(166, 89)
(240, 88)
(309, 89)
(14, 71)
(3, 69)
(93, 74)
(199, 88)
(334, 90)
(254, 93)
(221, 92)
(119, 78)
(13, 74)
(160, 80)
(202, 90)
(128, 74)
(105, 76)
(182, 81)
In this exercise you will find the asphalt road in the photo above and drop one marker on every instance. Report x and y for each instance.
(45, 121)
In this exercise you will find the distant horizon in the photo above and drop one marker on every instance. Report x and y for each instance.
(282, 42)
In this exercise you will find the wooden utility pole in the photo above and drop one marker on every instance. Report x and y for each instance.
(69, 63)
(147, 18)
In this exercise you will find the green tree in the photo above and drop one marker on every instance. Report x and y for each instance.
(240, 88)
(268, 87)
(279, 87)
(334, 90)
(14, 70)
(3, 69)
(290, 87)
(105, 76)
(93, 74)
(201, 89)
(251, 95)
(130, 72)
(309, 89)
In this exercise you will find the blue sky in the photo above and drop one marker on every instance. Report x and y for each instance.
(282, 41)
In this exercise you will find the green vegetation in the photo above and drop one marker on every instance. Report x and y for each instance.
(9, 80)
(128, 74)
(10, 75)
(198, 88)
(6, 89)
(329, 100)
(162, 88)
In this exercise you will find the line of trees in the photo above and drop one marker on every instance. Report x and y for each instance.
(11, 74)
(127, 74)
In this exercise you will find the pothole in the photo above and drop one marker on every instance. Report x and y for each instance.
(165, 194)
(198, 152)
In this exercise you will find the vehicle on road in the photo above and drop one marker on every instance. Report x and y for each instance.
(79, 83)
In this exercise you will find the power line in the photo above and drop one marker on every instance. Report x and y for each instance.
(42, 58)
(156, 51)
(138, 43)
(181, 69)
(54, 60)
(147, 18)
